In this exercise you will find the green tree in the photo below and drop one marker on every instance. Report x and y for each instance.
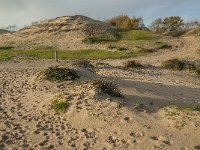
(157, 25)
(173, 23)
(126, 22)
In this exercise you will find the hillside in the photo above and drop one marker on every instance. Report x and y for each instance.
(193, 32)
(66, 32)
(138, 92)
(2, 31)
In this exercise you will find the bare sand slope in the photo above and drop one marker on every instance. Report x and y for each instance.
(67, 32)
(184, 48)
(100, 122)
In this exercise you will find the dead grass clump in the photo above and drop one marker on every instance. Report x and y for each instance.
(133, 64)
(112, 47)
(165, 46)
(145, 50)
(60, 74)
(197, 69)
(84, 63)
(107, 87)
(175, 64)
(122, 48)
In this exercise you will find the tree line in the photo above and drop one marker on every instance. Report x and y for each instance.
(160, 25)
(172, 23)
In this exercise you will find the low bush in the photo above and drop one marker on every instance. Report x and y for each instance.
(60, 106)
(197, 69)
(60, 103)
(84, 63)
(175, 64)
(123, 48)
(145, 50)
(133, 64)
(115, 36)
(60, 74)
(107, 87)
(165, 46)
(112, 47)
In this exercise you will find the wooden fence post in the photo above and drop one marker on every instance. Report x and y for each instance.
(56, 56)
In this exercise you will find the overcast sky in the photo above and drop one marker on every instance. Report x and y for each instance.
(23, 12)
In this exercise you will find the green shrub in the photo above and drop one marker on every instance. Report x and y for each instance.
(133, 64)
(60, 106)
(60, 103)
(107, 87)
(60, 74)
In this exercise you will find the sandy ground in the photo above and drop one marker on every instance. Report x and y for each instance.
(138, 121)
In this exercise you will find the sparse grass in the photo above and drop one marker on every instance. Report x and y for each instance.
(133, 64)
(194, 32)
(174, 33)
(175, 64)
(60, 74)
(68, 54)
(6, 47)
(43, 47)
(186, 108)
(171, 113)
(138, 35)
(60, 104)
(107, 87)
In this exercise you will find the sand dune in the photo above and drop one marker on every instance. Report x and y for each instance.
(140, 120)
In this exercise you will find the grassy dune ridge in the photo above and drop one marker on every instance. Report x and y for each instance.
(68, 54)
